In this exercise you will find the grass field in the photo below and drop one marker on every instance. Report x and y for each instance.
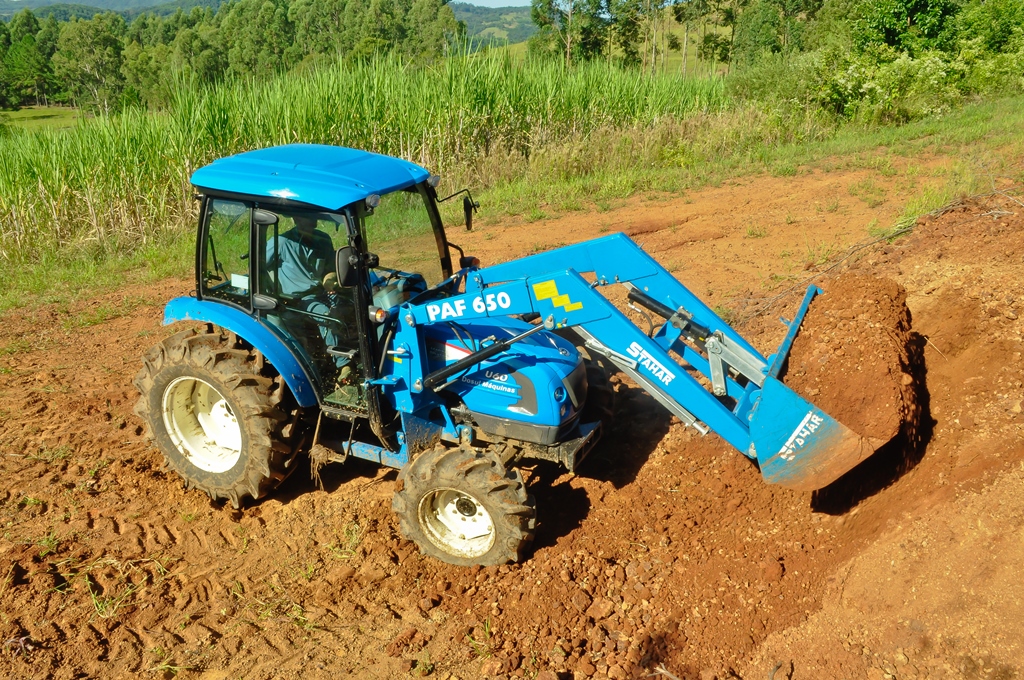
(41, 117)
(677, 156)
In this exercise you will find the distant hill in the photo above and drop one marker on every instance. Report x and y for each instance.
(127, 8)
(497, 24)
(113, 5)
(62, 11)
(165, 7)
(493, 24)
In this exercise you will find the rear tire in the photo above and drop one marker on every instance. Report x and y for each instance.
(220, 415)
(461, 506)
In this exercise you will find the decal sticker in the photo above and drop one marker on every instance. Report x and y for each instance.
(446, 310)
(442, 352)
(547, 290)
(650, 363)
(511, 389)
(489, 302)
(800, 435)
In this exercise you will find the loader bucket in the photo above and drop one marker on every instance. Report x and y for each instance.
(798, 445)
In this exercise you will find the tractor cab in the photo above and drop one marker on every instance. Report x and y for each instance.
(285, 237)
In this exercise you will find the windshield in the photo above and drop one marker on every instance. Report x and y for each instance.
(400, 232)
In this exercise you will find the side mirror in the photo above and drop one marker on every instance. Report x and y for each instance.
(263, 218)
(343, 264)
(468, 208)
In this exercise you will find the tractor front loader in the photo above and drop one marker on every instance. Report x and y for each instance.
(453, 375)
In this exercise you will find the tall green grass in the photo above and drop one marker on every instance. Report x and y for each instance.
(111, 186)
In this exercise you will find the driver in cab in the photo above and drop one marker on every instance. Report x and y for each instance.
(303, 259)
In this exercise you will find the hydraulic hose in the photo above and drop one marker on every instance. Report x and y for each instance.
(442, 374)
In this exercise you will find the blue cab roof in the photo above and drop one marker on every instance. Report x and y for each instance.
(327, 177)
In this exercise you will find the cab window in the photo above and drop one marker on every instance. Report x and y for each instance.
(225, 259)
(400, 233)
(314, 313)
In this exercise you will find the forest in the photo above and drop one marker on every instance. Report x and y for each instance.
(107, 63)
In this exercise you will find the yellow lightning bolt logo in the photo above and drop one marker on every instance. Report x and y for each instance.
(547, 290)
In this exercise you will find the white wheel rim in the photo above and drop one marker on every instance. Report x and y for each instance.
(457, 523)
(201, 424)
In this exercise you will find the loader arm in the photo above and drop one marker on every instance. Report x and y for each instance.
(695, 365)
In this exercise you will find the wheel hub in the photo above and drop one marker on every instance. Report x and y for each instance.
(466, 507)
(201, 424)
(457, 522)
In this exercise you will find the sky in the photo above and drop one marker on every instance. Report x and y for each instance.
(496, 3)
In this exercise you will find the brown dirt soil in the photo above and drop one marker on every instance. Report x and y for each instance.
(851, 356)
(666, 548)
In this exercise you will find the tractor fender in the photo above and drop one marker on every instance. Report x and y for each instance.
(257, 335)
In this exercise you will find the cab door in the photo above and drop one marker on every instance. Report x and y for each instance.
(300, 298)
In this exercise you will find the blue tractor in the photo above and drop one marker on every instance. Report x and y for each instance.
(309, 344)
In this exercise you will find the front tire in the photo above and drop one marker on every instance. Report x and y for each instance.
(223, 425)
(461, 506)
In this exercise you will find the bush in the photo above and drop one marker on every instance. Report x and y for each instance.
(778, 78)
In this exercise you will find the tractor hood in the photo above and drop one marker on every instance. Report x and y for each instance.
(532, 392)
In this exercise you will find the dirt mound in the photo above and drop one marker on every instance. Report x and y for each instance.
(852, 356)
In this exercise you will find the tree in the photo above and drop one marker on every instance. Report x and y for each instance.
(46, 38)
(318, 25)
(146, 72)
(430, 28)
(627, 21)
(88, 59)
(692, 14)
(575, 29)
(5, 43)
(199, 53)
(22, 24)
(993, 22)
(908, 25)
(26, 71)
(758, 31)
(259, 38)
(5, 38)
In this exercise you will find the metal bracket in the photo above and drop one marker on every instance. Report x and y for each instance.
(629, 367)
(615, 357)
(721, 352)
